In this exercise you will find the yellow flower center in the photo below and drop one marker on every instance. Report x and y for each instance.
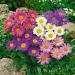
(50, 35)
(18, 39)
(59, 30)
(54, 19)
(23, 45)
(17, 30)
(33, 15)
(65, 49)
(42, 58)
(57, 41)
(20, 17)
(46, 46)
(50, 27)
(11, 45)
(33, 51)
(35, 41)
(38, 30)
(41, 20)
(57, 52)
(27, 35)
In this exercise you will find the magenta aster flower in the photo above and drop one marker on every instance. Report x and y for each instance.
(43, 58)
(48, 14)
(58, 41)
(33, 51)
(33, 14)
(11, 44)
(35, 40)
(18, 30)
(66, 49)
(23, 46)
(27, 35)
(20, 16)
(46, 46)
(8, 23)
(57, 53)
(60, 13)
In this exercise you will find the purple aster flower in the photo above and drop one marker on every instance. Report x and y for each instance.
(18, 39)
(60, 13)
(48, 14)
(27, 35)
(23, 46)
(33, 51)
(35, 40)
(11, 44)
(43, 58)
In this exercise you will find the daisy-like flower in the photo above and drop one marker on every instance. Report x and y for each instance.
(23, 46)
(18, 30)
(8, 23)
(59, 31)
(11, 44)
(35, 40)
(48, 14)
(33, 51)
(20, 16)
(58, 41)
(41, 20)
(43, 58)
(33, 14)
(60, 13)
(66, 49)
(57, 53)
(29, 24)
(27, 35)
(39, 31)
(50, 27)
(50, 35)
(18, 39)
(46, 46)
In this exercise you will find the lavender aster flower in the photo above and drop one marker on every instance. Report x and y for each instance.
(11, 44)
(33, 51)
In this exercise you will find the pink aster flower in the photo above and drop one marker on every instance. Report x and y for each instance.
(57, 53)
(20, 16)
(18, 30)
(43, 58)
(8, 23)
(58, 41)
(46, 46)
(66, 49)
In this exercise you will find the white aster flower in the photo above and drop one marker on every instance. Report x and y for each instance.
(50, 35)
(59, 31)
(41, 20)
(50, 27)
(39, 31)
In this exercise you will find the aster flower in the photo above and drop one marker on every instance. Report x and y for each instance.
(11, 44)
(20, 16)
(66, 49)
(17, 30)
(39, 31)
(18, 39)
(58, 41)
(23, 46)
(35, 40)
(48, 14)
(27, 35)
(33, 51)
(50, 35)
(41, 20)
(59, 31)
(60, 13)
(57, 53)
(8, 23)
(46, 46)
(43, 58)
(29, 24)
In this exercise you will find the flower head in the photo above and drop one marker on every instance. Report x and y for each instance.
(18, 30)
(43, 58)
(11, 44)
(33, 51)
(46, 46)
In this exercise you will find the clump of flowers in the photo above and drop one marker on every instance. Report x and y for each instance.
(39, 36)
